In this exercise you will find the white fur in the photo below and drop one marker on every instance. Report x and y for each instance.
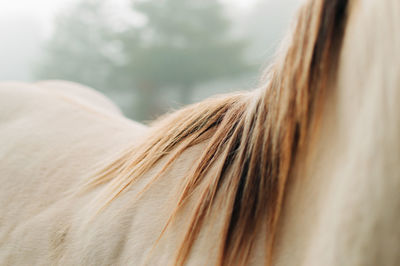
(345, 208)
(342, 209)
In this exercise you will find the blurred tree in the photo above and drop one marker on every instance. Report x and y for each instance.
(180, 45)
(76, 50)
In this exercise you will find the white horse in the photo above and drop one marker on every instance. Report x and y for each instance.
(303, 171)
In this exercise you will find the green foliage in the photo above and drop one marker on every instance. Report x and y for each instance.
(180, 45)
(74, 52)
(184, 43)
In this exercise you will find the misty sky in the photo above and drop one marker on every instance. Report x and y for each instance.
(25, 24)
(43, 11)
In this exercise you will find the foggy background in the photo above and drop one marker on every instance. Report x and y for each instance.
(148, 56)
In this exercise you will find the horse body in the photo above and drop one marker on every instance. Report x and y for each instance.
(50, 141)
(342, 208)
(341, 205)
(41, 224)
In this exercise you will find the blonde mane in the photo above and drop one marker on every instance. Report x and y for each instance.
(252, 140)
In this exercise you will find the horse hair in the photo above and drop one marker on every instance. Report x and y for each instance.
(252, 139)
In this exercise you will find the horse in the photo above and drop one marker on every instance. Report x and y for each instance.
(303, 170)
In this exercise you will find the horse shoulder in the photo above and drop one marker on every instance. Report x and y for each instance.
(50, 141)
(42, 129)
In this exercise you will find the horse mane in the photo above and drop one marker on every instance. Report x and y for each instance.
(252, 139)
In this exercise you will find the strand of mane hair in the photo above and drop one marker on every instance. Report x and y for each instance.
(253, 139)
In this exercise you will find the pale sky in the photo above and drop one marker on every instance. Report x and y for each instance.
(43, 11)
(24, 24)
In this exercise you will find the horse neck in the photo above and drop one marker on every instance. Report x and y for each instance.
(343, 205)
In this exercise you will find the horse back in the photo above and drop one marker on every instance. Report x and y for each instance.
(50, 141)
